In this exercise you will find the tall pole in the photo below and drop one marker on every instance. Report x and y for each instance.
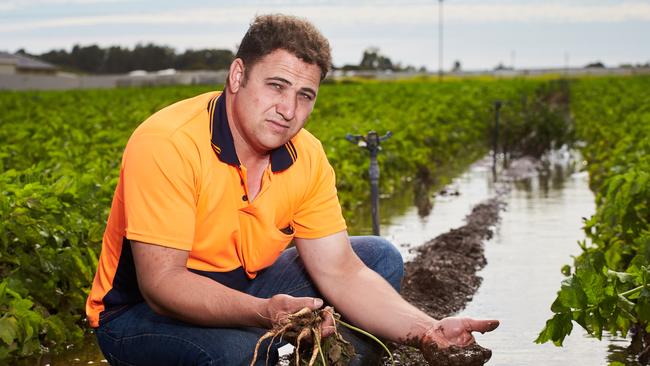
(495, 138)
(372, 139)
(439, 40)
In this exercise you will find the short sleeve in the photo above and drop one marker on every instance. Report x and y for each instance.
(159, 192)
(319, 214)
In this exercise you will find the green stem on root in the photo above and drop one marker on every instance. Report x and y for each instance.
(320, 352)
(350, 326)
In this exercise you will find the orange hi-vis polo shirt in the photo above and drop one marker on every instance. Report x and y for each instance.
(182, 186)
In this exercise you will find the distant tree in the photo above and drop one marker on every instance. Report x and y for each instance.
(373, 60)
(118, 60)
(89, 59)
(349, 67)
(457, 66)
(151, 57)
(596, 64)
(206, 59)
(501, 67)
(58, 57)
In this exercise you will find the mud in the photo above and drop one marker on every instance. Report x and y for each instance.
(442, 279)
(473, 355)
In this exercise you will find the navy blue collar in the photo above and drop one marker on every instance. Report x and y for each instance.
(224, 146)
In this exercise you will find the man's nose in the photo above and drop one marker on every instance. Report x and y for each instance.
(287, 107)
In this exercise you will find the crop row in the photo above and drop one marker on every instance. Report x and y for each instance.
(608, 286)
(60, 155)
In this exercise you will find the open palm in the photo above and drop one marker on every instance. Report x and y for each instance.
(456, 331)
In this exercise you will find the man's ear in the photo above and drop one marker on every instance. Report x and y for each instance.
(236, 75)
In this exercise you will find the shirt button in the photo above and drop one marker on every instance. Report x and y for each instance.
(244, 198)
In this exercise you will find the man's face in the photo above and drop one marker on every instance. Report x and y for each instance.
(275, 101)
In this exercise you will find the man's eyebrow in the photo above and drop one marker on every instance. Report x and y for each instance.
(287, 82)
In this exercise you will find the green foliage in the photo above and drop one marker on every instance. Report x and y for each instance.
(609, 289)
(59, 158)
(60, 154)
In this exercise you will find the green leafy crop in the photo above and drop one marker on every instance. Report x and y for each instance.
(609, 289)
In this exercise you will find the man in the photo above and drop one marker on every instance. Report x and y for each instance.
(212, 189)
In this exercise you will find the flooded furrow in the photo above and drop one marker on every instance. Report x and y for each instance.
(537, 234)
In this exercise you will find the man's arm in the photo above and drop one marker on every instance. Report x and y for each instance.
(171, 290)
(367, 300)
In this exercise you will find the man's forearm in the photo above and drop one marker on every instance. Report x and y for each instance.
(170, 289)
(370, 302)
(187, 296)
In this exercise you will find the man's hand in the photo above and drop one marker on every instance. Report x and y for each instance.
(454, 331)
(279, 307)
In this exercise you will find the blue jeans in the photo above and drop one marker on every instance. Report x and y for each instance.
(139, 336)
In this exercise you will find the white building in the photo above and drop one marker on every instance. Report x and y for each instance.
(21, 64)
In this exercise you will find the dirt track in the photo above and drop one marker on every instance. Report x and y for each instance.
(442, 279)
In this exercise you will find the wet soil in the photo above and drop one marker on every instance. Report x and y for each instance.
(442, 279)
(473, 355)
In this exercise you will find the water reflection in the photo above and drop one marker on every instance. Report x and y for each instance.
(416, 195)
(422, 195)
(619, 350)
(87, 353)
(537, 235)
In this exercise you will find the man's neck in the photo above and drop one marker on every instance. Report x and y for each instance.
(254, 161)
(248, 156)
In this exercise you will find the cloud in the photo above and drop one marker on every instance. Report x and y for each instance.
(20, 4)
(357, 14)
(550, 12)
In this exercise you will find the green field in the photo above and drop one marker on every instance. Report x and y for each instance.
(60, 155)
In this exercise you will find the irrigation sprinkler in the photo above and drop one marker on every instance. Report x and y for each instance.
(495, 138)
(371, 142)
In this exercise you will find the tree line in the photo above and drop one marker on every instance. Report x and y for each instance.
(150, 57)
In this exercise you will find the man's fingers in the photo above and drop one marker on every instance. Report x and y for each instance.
(281, 306)
(483, 325)
(312, 303)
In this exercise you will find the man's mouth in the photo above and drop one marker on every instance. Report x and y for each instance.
(278, 124)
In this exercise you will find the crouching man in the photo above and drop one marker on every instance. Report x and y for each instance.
(194, 266)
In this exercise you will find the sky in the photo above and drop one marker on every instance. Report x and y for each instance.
(480, 34)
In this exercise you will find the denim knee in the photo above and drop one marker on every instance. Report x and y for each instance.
(381, 256)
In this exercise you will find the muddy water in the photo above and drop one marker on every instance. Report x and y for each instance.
(537, 235)
(449, 208)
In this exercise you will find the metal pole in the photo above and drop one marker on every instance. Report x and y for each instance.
(495, 139)
(373, 147)
(439, 40)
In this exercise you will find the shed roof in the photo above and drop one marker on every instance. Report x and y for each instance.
(24, 62)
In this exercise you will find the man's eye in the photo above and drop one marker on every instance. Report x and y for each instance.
(276, 86)
(306, 96)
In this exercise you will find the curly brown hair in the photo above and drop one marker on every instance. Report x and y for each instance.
(298, 36)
